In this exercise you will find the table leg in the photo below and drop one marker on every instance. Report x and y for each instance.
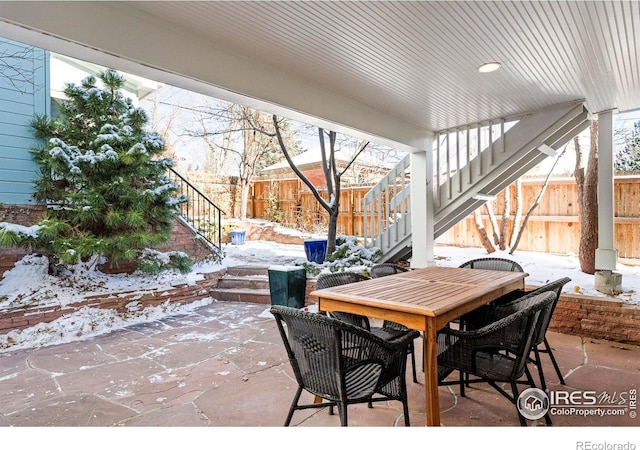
(431, 373)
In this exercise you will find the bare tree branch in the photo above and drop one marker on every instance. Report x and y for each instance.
(12, 70)
(506, 212)
(482, 232)
(518, 215)
(332, 176)
(493, 221)
(362, 147)
(325, 165)
(297, 171)
(257, 128)
(536, 202)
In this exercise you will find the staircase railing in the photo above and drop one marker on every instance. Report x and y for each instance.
(457, 147)
(386, 209)
(199, 212)
(387, 215)
(472, 164)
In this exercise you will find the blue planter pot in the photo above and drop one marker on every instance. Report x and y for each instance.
(316, 250)
(238, 237)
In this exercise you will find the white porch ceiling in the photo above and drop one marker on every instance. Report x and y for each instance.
(390, 68)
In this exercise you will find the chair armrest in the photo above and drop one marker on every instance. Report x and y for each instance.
(358, 341)
(505, 332)
(486, 330)
(404, 339)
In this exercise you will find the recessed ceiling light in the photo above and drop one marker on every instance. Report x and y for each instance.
(489, 67)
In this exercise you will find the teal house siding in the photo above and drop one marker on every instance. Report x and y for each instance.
(24, 92)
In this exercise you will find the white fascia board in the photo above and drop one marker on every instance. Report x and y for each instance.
(136, 44)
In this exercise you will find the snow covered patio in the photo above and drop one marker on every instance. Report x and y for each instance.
(224, 365)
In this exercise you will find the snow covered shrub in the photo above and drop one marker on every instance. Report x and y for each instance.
(102, 179)
(348, 256)
(153, 261)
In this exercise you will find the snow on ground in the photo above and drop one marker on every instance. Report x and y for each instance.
(29, 284)
(544, 267)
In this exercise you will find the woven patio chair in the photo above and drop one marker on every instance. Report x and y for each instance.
(385, 269)
(492, 264)
(510, 303)
(326, 280)
(341, 363)
(489, 263)
(388, 331)
(497, 352)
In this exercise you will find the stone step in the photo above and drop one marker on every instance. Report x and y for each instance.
(261, 296)
(244, 282)
(248, 270)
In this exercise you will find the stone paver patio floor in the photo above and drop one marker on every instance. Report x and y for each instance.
(224, 365)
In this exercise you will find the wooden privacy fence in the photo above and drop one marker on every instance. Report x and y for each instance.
(291, 203)
(553, 227)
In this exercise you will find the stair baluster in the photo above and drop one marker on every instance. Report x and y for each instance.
(199, 212)
(498, 153)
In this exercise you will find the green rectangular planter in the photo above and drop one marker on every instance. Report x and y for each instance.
(287, 286)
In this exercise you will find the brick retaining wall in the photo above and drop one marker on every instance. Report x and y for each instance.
(182, 239)
(25, 215)
(597, 317)
(264, 231)
(20, 318)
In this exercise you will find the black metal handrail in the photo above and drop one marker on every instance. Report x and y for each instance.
(204, 216)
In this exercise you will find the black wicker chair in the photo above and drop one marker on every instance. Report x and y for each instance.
(326, 280)
(489, 263)
(388, 331)
(510, 303)
(497, 352)
(385, 269)
(341, 363)
(492, 264)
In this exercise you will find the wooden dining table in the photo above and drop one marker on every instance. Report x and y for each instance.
(422, 299)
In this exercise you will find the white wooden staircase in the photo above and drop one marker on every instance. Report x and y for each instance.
(472, 164)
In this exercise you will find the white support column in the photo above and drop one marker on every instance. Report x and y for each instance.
(606, 255)
(422, 207)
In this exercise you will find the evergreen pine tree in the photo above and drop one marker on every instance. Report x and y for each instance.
(628, 159)
(105, 193)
